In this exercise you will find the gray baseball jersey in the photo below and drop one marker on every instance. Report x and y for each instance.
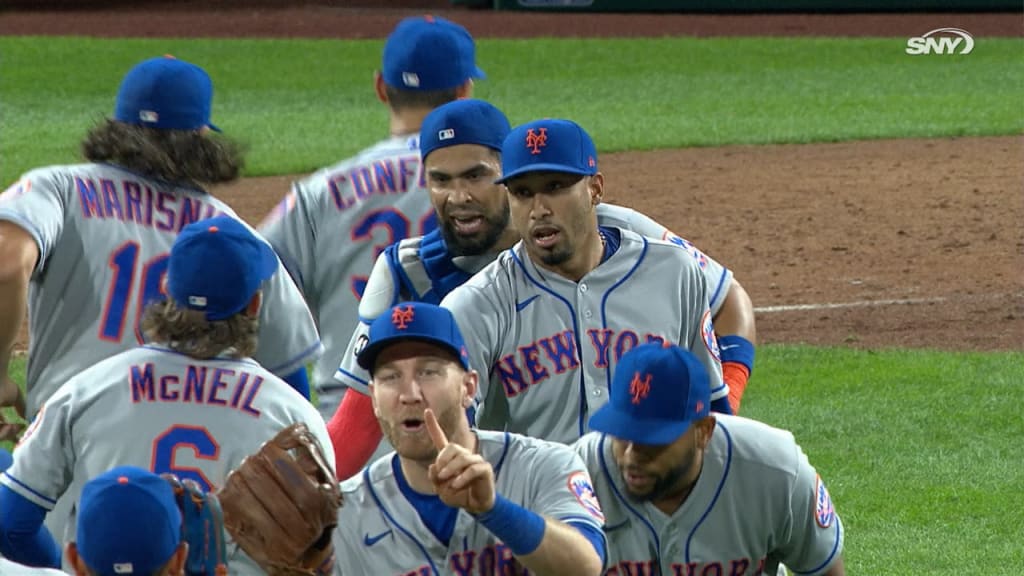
(330, 228)
(8, 568)
(104, 235)
(381, 532)
(383, 292)
(757, 503)
(160, 410)
(546, 346)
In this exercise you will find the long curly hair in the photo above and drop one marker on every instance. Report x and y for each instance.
(189, 332)
(188, 157)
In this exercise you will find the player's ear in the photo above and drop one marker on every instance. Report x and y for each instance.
(378, 86)
(253, 307)
(77, 564)
(705, 428)
(176, 565)
(596, 188)
(465, 90)
(470, 383)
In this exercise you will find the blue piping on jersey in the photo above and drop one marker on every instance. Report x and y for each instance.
(391, 519)
(576, 339)
(300, 356)
(504, 452)
(29, 489)
(711, 302)
(625, 502)
(835, 548)
(718, 491)
(604, 315)
(347, 374)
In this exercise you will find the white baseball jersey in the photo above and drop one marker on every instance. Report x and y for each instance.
(546, 347)
(380, 531)
(757, 503)
(8, 568)
(156, 409)
(330, 228)
(404, 277)
(104, 235)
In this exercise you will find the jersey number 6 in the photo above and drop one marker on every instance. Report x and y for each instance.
(196, 438)
(123, 261)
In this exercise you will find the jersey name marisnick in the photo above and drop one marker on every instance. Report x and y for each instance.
(137, 202)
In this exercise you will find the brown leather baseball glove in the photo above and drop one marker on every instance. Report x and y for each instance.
(281, 505)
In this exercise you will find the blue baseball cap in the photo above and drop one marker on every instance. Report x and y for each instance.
(657, 392)
(465, 121)
(165, 93)
(128, 522)
(216, 265)
(429, 53)
(548, 145)
(413, 321)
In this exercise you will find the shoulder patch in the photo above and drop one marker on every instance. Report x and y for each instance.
(579, 484)
(710, 340)
(695, 252)
(286, 205)
(824, 511)
(17, 189)
(32, 427)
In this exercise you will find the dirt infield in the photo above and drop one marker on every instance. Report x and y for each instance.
(898, 243)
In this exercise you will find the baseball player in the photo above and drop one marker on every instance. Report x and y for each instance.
(455, 500)
(550, 318)
(332, 225)
(686, 491)
(85, 246)
(193, 403)
(460, 143)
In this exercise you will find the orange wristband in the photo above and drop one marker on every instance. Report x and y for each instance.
(736, 376)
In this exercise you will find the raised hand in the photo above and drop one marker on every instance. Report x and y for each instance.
(461, 478)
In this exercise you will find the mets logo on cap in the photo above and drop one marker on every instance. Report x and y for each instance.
(824, 511)
(401, 316)
(579, 484)
(639, 387)
(536, 139)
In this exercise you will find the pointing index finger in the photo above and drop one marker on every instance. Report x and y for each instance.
(434, 429)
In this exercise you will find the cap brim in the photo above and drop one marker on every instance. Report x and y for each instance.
(652, 431)
(478, 73)
(541, 168)
(368, 356)
(212, 127)
(267, 265)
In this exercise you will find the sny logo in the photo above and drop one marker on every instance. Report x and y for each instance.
(535, 141)
(947, 43)
(401, 317)
(639, 388)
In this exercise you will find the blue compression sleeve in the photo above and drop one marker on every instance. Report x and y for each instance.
(594, 535)
(23, 537)
(300, 381)
(520, 529)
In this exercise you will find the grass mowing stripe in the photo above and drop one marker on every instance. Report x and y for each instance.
(630, 94)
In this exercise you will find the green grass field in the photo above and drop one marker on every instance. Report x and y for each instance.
(920, 448)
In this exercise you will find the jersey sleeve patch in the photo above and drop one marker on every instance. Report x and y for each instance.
(710, 340)
(824, 511)
(695, 252)
(579, 484)
(286, 205)
(32, 427)
(17, 189)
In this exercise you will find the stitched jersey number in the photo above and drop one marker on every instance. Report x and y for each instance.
(198, 439)
(397, 227)
(123, 262)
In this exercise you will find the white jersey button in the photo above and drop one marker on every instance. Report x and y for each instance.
(587, 313)
(597, 392)
(583, 287)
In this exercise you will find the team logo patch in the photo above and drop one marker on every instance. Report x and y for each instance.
(446, 134)
(17, 189)
(579, 483)
(148, 116)
(401, 317)
(639, 387)
(699, 256)
(710, 340)
(32, 427)
(536, 140)
(411, 79)
(361, 343)
(824, 511)
(197, 301)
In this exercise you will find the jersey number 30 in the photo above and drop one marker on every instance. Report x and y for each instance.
(123, 289)
(179, 437)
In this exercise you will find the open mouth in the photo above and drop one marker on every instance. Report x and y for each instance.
(412, 424)
(468, 224)
(545, 236)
